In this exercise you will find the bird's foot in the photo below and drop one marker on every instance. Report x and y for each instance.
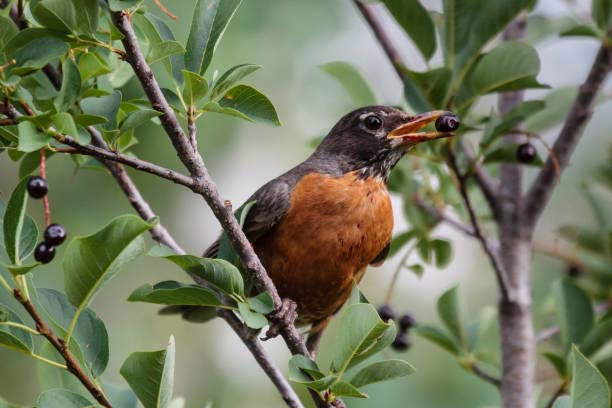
(285, 316)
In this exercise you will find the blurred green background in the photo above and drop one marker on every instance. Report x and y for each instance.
(290, 39)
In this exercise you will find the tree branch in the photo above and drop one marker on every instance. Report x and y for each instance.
(479, 372)
(71, 362)
(203, 183)
(441, 216)
(540, 191)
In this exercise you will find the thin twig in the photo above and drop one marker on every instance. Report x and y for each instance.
(43, 174)
(71, 362)
(164, 9)
(476, 369)
(560, 391)
(497, 268)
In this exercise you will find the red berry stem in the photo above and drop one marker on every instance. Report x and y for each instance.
(43, 174)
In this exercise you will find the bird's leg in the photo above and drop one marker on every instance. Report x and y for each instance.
(285, 316)
(314, 335)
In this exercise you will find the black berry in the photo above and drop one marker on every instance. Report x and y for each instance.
(55, 234)
(386, 313)
(44, 253)
(37, 187)
(447, 123)
(526, 153)
(573, 271)
(405, 322)
(401, 342)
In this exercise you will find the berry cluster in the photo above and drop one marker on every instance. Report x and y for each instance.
(54, 234)
(404, 323)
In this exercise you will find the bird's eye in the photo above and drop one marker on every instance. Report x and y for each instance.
(373, 122)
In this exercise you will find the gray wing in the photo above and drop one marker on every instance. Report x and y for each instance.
(272, 201)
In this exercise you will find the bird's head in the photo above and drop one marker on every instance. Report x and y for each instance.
(371, 140)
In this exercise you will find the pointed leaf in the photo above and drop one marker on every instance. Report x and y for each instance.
(107, 107)
(362, 334)
(231, 78)
(194, 88)
(219, 273)
(91, 261)
(29, 230)
(417, 23)
(71, 86)
(13, 337)
(344, 389)
(352, 81)
(151, 376)
(589, 387)
(305, 371)
(252, 319)
(137, 118)
(210, 18)
(57, 15)
(448, 310)
(60, 398)
(439, 337)
(381, 371)
(164, 49)
(247, 103)
(574, 311)
(30, 139)
(175, 293)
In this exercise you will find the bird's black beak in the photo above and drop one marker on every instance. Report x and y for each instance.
(407, 134)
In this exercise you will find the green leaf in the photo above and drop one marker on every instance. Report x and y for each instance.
(305, 371)
(425, 91)
(151, 376)
(352, 81)
(497, 126)
(262, 303)
(164, 49)
(38, 53)
(107, 107)
(19, 269)
(71, 86)
(29, 231)
(120, 397)
(175, 293)
(246, 103)
(194, 89)
(439, 337)
(599, 335)
(91, 65)
(50, 377)
(558, 362)
(443, 252)
(89, 335)
(60, 398)
(589, 387)
(468, 26)
(558, 103)
(30, 139)
(89, 120)
(448, 310)
(137, 118)
(400, 240)
(58, 15)
(583, 30)
(510, 66)
(65, 124)
(417, 23)
(231, 78)
(219, 273)
(86, 16)
(362, 333)
(574, 311)
(344, 389)
(381, 371)
(17, 239)
(8, 30)
(210, 18)
(91, 261)
(252, 319)
(602, 14)
(226, 251)
(12, 337)
(507, 154)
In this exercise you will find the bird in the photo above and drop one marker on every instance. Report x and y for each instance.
(317, 227)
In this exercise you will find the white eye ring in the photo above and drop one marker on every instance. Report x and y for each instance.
(372, 122)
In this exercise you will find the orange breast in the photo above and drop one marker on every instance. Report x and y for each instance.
(333, 229)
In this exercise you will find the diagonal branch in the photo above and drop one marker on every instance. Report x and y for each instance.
(540, 191)
(72, 364)
(203, 183)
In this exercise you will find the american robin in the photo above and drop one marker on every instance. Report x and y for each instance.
(317, 227)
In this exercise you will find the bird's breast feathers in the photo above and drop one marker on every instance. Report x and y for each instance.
(334, 227)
